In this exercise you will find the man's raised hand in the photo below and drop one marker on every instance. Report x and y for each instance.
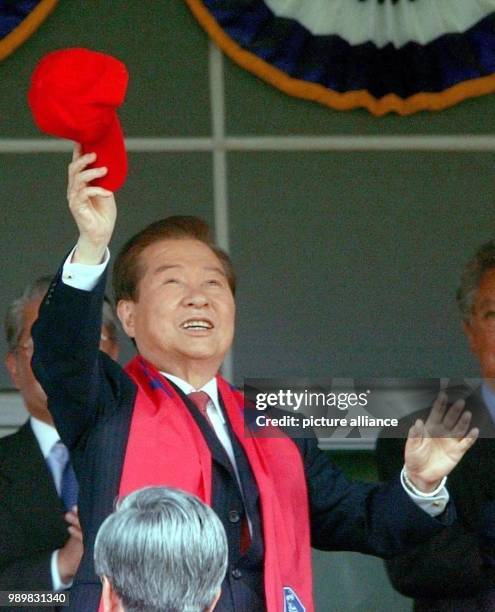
(93, 208)
(435, 447)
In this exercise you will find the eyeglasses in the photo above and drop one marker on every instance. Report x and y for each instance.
(28, 346)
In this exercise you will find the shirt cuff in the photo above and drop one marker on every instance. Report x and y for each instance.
(83, 276)
(58, 585)
(433, 503)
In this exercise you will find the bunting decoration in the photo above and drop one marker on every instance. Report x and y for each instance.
(19, 19)
(400, 56)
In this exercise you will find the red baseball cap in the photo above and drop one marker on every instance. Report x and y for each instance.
(74, 94)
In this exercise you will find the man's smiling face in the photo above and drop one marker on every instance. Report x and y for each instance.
(183, 318)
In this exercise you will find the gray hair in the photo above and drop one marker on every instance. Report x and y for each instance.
(14, 317)
(162, 550)
(483, 261)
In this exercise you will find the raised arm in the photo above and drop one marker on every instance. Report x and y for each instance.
(93, 208)
(66, 335)
(383, 519)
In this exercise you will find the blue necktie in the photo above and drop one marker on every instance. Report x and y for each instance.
(63, 475)
(70, 488)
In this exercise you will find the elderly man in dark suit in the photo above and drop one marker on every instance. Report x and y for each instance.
(168, 418)
(450, 572)
(40, 541)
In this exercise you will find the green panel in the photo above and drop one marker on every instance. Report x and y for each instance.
(256, 108)
(348, 262)
(351, 582)
(164, 50)
(358, 465)
(37, 229)
(162, 184)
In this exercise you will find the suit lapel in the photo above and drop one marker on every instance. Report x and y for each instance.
(480, 415)
(480, 459)
(483, 420)
(218, 452)
(29, 488)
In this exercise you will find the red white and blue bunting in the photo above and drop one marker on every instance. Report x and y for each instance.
(19, 19)
(398, 56)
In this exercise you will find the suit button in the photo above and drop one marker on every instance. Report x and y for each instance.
(234, 516)
(236, 573)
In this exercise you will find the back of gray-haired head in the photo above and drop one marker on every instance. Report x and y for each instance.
(14, 318)
(482, 262)
(162, 550)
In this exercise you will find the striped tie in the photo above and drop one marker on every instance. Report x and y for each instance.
(201, 400)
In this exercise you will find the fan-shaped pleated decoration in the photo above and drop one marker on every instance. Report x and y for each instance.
(398, 56)
(19, 19)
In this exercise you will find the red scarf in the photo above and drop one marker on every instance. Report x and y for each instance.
(166, 447)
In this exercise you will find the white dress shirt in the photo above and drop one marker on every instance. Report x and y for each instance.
(215, 415)
(82, 276)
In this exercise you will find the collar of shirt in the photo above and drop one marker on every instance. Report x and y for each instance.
(488, 396)
(46, 435)
(210, 387)
(216, 418)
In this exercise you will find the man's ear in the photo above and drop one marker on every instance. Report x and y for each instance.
(469, 334)
(125, 312)
(11, 365)
(111, 601)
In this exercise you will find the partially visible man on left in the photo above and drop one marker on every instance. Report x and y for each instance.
(40, 536)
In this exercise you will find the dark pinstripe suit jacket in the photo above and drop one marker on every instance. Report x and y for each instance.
(345, 515)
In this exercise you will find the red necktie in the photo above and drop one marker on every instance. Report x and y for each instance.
(201, 399)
